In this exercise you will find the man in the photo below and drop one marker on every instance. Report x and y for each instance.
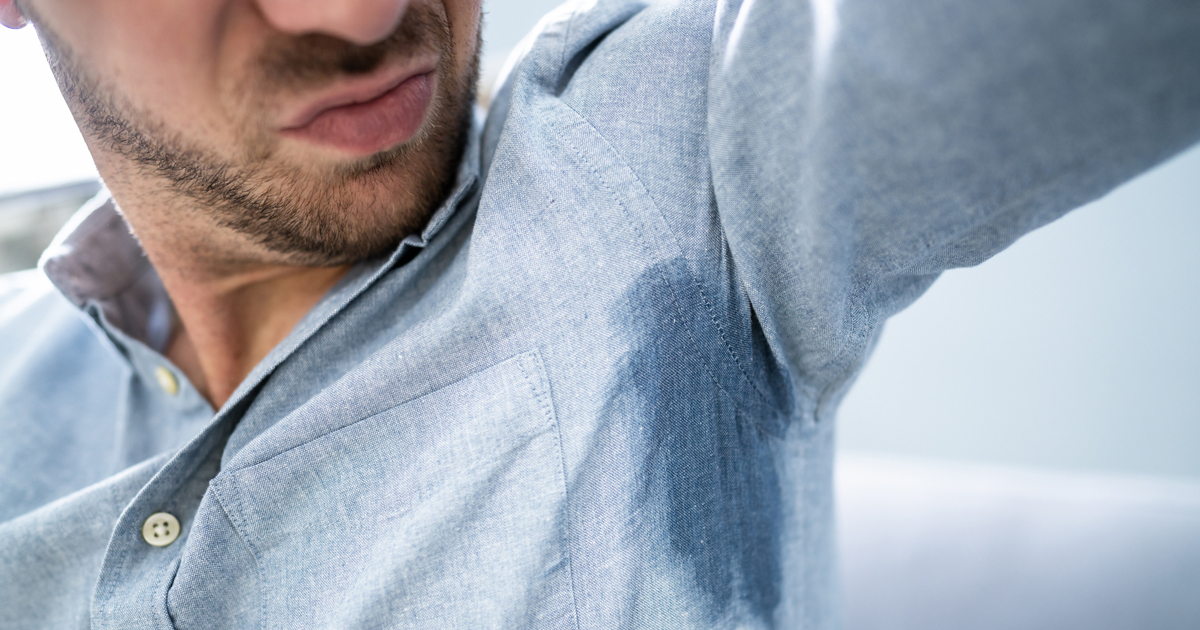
(338, 353)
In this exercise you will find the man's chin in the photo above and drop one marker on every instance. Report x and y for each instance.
(341, 210)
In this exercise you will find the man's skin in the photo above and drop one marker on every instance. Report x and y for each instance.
(227, 133)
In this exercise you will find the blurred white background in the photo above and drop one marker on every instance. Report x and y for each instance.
(1078, 348)
(41, 145)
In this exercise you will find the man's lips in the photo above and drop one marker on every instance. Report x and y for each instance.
(367, 116)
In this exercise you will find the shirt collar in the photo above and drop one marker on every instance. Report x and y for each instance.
(95, 261)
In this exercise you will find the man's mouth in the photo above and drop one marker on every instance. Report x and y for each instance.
(368, 115)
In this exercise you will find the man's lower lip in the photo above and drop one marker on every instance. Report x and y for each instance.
(373, 126)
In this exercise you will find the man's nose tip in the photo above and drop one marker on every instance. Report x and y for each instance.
(362, 22)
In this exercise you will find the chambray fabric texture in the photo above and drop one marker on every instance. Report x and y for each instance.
(598, 390)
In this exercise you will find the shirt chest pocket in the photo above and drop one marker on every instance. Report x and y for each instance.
(445, 511)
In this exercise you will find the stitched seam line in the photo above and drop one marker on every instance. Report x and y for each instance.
(535, 379)
(720, 330)
(674, 295)
(703, 297)
(382, 411)
(237, 529)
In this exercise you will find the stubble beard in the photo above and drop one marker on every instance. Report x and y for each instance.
(303, 214)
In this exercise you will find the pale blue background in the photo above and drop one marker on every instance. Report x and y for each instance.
(1077, 348)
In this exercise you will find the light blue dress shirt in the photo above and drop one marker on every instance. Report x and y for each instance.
(598, 390)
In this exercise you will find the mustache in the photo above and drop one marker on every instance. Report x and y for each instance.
(296, 62)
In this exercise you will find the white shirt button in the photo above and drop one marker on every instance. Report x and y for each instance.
(166, 380)
(161, 529)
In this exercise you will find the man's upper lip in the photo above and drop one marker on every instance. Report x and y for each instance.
(353, 90)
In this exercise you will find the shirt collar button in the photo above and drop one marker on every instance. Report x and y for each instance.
(166, 380)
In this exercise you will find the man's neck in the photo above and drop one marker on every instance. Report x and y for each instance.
(230, 324)
(235, 301)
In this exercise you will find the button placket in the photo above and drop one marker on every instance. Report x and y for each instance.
(135, 573)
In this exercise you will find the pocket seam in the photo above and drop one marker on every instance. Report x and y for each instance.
(515, 358)
(545, 399)
(228, 492)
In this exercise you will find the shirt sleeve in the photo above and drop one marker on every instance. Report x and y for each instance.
(860, 147)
